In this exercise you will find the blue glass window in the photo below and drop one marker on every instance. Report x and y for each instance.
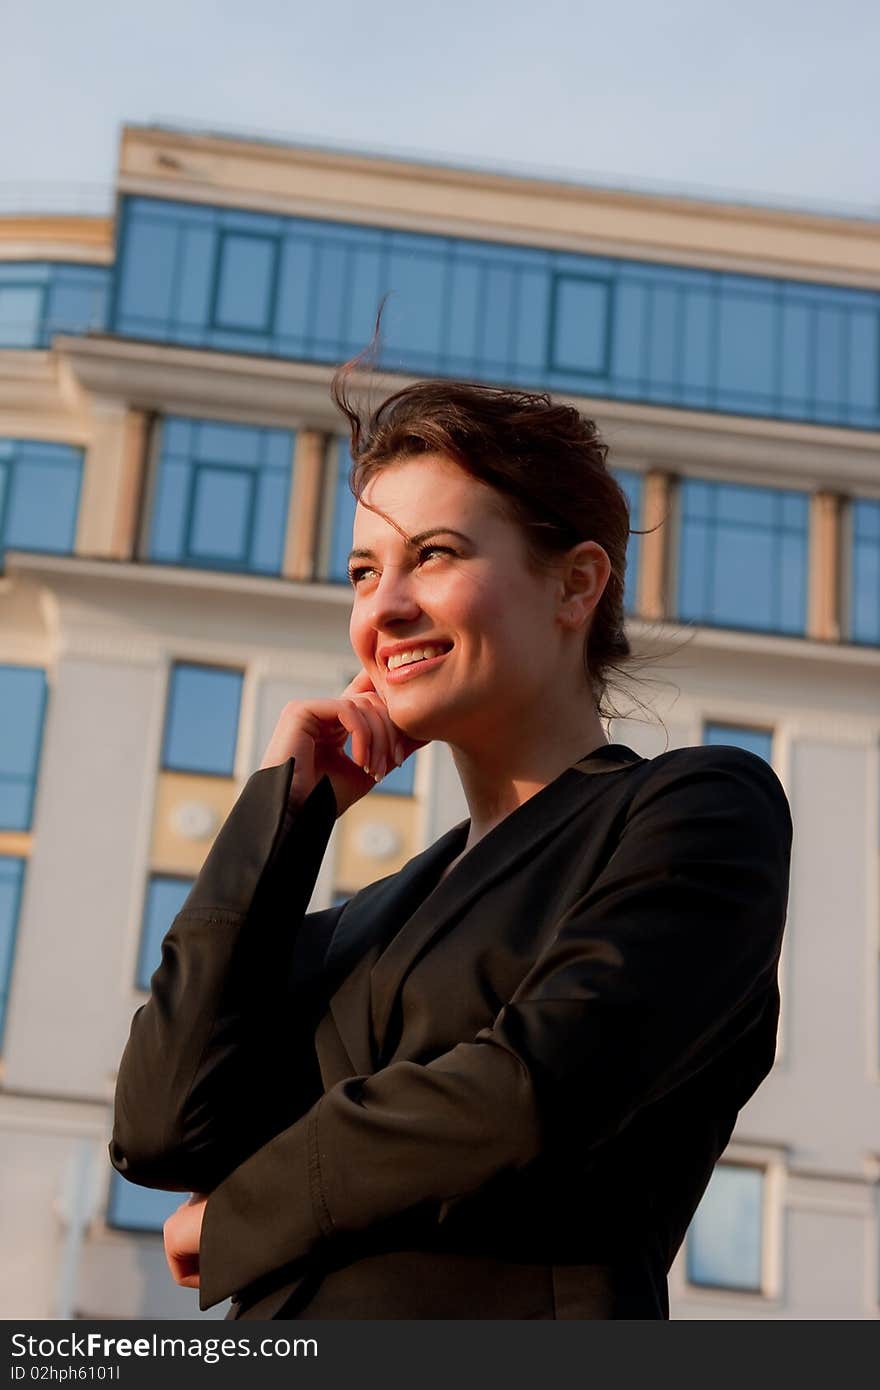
(23, 702)
(758, 741)
(247, 274)
(39, 299)
(723, 1245)
(344, 507)
(11, 880)
(133, 1208)
(166, 895)
(579, 338)
(632, 486)
(221, 496)
(201, 719)
(39, 495)
(743, 556)
(304, 288)
(865, 577)
(21, 314)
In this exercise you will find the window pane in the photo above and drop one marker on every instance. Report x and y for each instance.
(864, 360)
(146, 273)
(723, 1244)
(221, 517)
(21, 309)
(193, 283)
(201, 725)
(134, 1208)
(632, 486)
(758, 741)
(666, 343)
(246, 283)
(344, 508)
(165, 898)
(580, 337)
(11, 880)
(23, 701)
(865, 617)
(416, 307)
(746, 349)
(77, 300)
(699, 341)
(42, 497)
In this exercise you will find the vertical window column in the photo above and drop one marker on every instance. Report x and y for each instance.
(823, 609)
(656, 493)
(195, 793)
(301, 542)
(863, 571)
(23, 702)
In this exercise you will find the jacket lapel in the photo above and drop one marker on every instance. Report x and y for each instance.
(367, 923)
(385, 928)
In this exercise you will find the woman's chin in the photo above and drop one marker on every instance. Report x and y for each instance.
(423, 724)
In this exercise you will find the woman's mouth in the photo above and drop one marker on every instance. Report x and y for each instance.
(396, 675)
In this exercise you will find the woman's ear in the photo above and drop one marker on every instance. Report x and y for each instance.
(585, 574)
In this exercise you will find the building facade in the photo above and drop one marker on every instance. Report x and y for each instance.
(174, 523)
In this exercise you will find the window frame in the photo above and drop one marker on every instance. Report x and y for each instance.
(175, 664)
(215, 323)
(6, 984)
(607, 335)
(35, 772)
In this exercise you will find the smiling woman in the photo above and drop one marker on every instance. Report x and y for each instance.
(495, 1083)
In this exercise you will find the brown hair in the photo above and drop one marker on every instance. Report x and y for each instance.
(546, 461)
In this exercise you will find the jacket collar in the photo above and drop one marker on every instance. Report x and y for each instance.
(387, 925)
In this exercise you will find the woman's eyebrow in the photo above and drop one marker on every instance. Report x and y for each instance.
(414, 540)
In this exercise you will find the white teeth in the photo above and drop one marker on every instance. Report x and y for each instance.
(413, 654)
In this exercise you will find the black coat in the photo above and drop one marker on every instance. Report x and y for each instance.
(499, 1095)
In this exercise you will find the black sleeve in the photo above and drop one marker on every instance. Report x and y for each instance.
(652, 973)
(221, 1056)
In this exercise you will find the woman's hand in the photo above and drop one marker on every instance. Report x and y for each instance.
(182, 1232)
(314, 733)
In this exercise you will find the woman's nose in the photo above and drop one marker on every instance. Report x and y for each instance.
(393, 597)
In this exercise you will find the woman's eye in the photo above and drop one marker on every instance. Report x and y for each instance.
(440, 549)
(355, 575)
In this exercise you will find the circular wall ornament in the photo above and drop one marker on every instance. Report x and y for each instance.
(194, 820)
(377, 840)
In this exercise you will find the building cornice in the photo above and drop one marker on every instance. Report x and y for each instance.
(499, 206)
(286, 394)
(88, 240)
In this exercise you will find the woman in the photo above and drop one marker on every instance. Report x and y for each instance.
(495, 1083)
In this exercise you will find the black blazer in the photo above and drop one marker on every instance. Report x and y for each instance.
(499, 1095)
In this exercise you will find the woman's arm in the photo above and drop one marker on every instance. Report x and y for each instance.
(653, 972)
(221, 1057)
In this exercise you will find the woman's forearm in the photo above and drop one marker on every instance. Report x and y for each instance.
(238, 989)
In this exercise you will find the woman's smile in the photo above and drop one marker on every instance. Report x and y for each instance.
(396, 675)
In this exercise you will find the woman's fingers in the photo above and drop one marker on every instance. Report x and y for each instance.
(379, 757)
(395, 739)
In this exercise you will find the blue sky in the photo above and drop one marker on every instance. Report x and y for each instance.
(773, 101)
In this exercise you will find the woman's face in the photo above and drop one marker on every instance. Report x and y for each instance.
(470, 591)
